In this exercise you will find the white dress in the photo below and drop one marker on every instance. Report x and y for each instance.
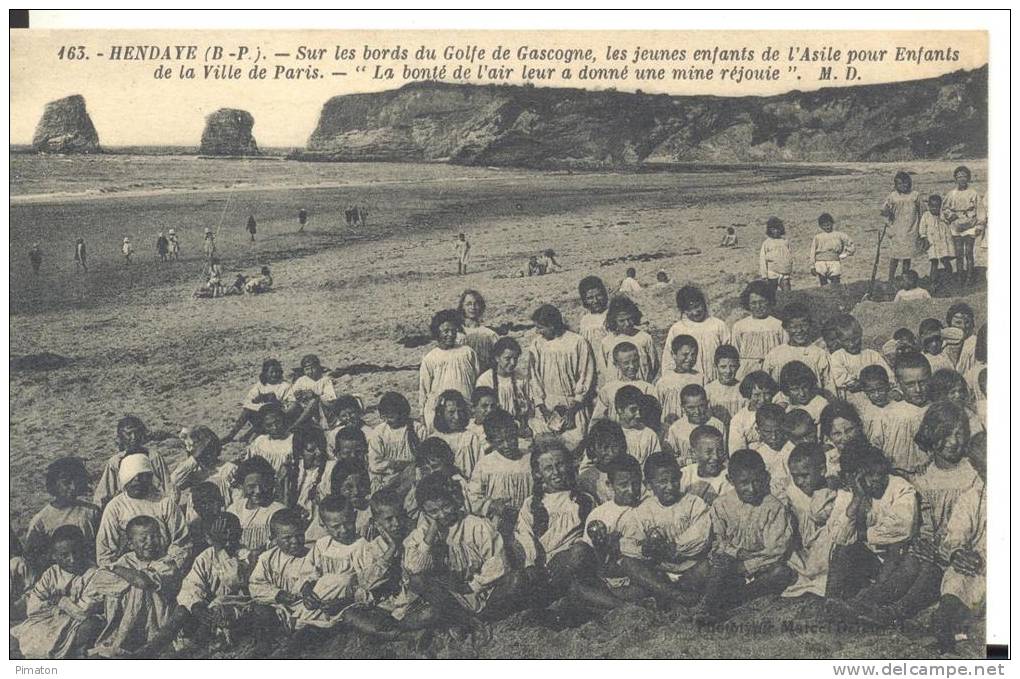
(562, 373)
(725, 396)
(389, 453)
(811, 355)
(641, 443)
(710, 333)
(511, 391)
(754, 338)
(481, 339)
(496, 477)
(708, 488)
(939, 235)
(467, 448)
(111, 538)
(759, 536)
(277, 452)
(443, 369)
(686, 523)
(966, 529)
(892, 429)
(592, 327)
(254, 522)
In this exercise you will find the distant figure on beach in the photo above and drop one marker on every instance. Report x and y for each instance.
(209, 246)
(549, 263)
(629, 283)
(355, 216)
(35, 257)
(174, 245)
(302, 219)
(251, 227)
(461, 249)
(126, 249)
(661, 279)
(730, 239)
(80, 256)
(162, 247)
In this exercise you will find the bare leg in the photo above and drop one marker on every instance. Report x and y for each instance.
(644, 575)
(574, 571)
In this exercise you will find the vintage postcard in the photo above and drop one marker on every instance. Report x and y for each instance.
(358, 344)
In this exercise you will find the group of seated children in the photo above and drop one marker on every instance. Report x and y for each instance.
(741, 462)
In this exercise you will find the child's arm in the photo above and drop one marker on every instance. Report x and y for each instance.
(488, 544)
(524, 535)
(777, 535)
(425, 378)
(896, 522)
(107, 540)
(262, 585)
(135, 578)
(694, 541)
(763, 262)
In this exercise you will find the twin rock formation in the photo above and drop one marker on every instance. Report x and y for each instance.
(66, 127)
(502, 125)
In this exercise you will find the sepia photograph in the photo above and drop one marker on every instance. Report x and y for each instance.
(337, 343)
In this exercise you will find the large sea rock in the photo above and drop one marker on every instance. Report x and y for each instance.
(65, 127)
(228, 133)
(937, 118)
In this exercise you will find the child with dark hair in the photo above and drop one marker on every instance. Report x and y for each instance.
(480, 338)
(799, 326)
(820, 518)
(960, 212)
(448, 366)
(131, 437)
(308, 478)
(349, 480)
(434, 457)
(608, 529)
(973, 359)
(902, 210)
(348, 411)
(622, 320)
(483, 402)
(642, 440)
(501, 481)
(562, 370)
(696, 412)
(753, 538)
(673, 531)
(730, 239)
(724, 392)
(202, 465)
(769, 421)
(450, 424)
(271, 388)
(281, 572)
(799, 389)
(511, 391)
(961, 316)
(936, 237)
(64, 612)
(775, 263)
(828, 250)
(909, 288)
(930, 340)
(758, 388)
(843, 432)
(627, 363)
(756, 335)
(275, 444)
(629, 284)
(66, 481)
(851, 357)
(550, 531)
(594, 299)
(706, 477)
(394, 442)
(949, 385)
(311, 395)
(254, 507)
(709, 332)
(605, 443)
(668, 387)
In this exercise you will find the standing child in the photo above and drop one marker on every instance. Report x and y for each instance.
(756, 335)
(902, 210)
(627, 364)
(672, 530)
(131, 437)
(450, 424)
(909, 290)
(753, 538)
(269, 390)
(723, 393)
(828, 250)
(775, 263)
(959, 210)
(394, 442)
(799, 326)
(66, 481)
(550, 531)
(758, 388)
(139, 497)
(594, 299)
(175, 245)
(694, 406)
(64, 613)
(477, 336)
(708, 331)
(209, 244)
(706, 477)
(251, 227)
(276, 444)
(622, 321)
(820, 517)
(629, 283)
(80, 256)
(605, 443)
(848, 361)
(937, 238)
(448, 366)
(799, 388)
(126, 249)
(642, 440)
(668, 387)
(512, 392)
(929, 337)
(562, 369)
(501, 481)
(461, 248)
(256, 504)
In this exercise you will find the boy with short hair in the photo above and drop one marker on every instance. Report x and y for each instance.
(629, 284)
(758, 388)
(799, 326)
(903, 418)
(706, 477)
(694, 403)
(828, 250)
(642, 440)
(848, 361)
(283, 570)
(724, 391)
(607, 528)
(684, 349)
(769, 422)
(799, 389)
(627, 360)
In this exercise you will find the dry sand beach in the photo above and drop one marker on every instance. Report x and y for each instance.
(130, 339)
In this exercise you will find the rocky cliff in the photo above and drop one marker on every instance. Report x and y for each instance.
(228, 133)
(65, 127)
(943, 117)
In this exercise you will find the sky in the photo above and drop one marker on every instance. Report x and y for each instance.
(130, 106)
